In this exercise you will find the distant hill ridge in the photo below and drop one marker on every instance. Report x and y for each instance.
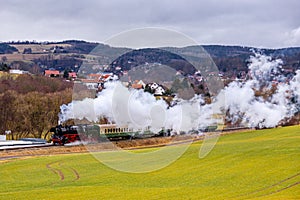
(231, 60)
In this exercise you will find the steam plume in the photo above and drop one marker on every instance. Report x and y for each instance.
(239, 101)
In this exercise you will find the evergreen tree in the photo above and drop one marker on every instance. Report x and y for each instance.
(66, 74)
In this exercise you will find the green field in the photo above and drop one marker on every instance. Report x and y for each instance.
(261, 164)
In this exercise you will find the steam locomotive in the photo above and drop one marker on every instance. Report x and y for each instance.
(64, 134)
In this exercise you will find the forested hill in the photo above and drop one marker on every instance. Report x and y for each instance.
(7, 49)
(234, 58)
(66, 55)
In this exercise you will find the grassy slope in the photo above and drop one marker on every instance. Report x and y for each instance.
(238, 165)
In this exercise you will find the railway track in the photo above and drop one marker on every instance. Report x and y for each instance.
(135, 144)
(15, 147)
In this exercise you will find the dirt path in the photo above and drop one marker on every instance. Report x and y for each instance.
(282, 189)
(57, 170)
(272, 186)
(77, 176)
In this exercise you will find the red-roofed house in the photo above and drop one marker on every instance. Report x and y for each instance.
(105, 76)
(138, 84)
(72, 75)
(52, 73)
(100, 77)
(94, 76)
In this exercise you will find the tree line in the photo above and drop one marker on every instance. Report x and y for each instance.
(29, 105)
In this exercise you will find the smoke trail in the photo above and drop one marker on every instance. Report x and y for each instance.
(264, 70)
(242, 103)
(139, 109)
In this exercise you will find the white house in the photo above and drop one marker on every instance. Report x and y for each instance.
(18, 71)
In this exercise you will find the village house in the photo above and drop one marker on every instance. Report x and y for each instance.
(138, 84)
(18, 71)
(52, 73)
(72, 75)
(90, 83)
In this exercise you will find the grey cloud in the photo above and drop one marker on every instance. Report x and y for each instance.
(268, 23)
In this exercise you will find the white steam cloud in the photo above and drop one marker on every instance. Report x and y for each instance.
(242, 103)
(239, 101)
(137, 109)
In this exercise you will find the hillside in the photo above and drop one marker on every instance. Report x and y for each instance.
(69, 55)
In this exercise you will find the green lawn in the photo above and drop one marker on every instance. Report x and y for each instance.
(261, 164)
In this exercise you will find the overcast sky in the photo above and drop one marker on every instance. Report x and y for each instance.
(259, 23)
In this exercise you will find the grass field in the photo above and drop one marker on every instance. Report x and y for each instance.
(261, 164)
(37, 48)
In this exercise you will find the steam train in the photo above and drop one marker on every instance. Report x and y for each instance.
(97, 132)
(104, 132)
